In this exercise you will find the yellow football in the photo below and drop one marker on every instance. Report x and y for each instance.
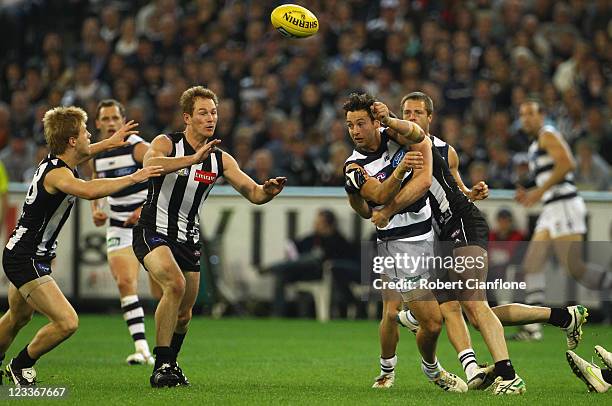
(294, 21)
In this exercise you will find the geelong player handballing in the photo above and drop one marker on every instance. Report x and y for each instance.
(381, 144)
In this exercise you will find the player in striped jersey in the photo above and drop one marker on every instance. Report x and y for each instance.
(28, 255)
(562, 223)
(125, 207)
(166, 238)
(462, 224)
(418, 107)
(381, 142)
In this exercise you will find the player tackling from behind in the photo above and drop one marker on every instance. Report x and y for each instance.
(125, 206)
(418, 107)
(166, 238)
(27, 257)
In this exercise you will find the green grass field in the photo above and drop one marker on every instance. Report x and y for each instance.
(292, 362)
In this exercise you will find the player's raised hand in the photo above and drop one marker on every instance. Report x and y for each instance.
(146, 173)
(118, 138)
(274, 186)
(205, 150)
(480, 191)
(380, 111)
(99, 217)
(413, 159)
(379, 219)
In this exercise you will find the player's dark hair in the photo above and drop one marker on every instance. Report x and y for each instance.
(110, 103)
(420, 96)
(359, 101)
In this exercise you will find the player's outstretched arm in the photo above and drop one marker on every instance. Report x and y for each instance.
(114, 141)
(480, 191)
(247, 187)
(559, 151)
(63, 180)
(161, 147)
(404, 132)
(371, 189)
(413, 190)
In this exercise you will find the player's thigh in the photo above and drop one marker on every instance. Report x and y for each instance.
(569, 250)
(123, 264)
(192, 287)
(19, 307)
(49, 300)
(537, 252)
(162, 266)
(154, 288)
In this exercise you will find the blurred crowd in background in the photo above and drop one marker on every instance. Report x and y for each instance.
(280, 110)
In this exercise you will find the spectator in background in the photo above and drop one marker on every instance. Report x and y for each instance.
(305, 257)
(262, 165)
(478, 63)
(477, 172)
(17, 156)
(592, 171)
(4, 181)
(5, 125)
(499, 171)
(504, 248)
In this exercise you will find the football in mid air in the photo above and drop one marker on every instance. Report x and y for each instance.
(294, 21)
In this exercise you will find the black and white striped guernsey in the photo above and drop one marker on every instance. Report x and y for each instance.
(174, 200)
(446, 199)
(412, 223)
(120, 162)
(43, 215)
(541, 166)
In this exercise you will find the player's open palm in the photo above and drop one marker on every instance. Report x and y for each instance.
(118, 138)
(275, 185)
(146, 173)
(205, 150)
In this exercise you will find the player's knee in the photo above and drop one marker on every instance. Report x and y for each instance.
(450, 308)
(432, 325)
(68, 325)
(390, 315)
(175, 286)
(126, 285)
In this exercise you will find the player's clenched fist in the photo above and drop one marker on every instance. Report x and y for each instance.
(380, 111)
